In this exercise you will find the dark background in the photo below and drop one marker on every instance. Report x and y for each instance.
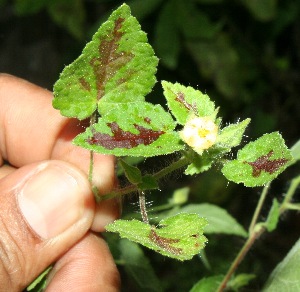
(244, 54)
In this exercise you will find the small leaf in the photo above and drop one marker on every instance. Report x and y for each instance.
(285, 276)
(117, 66)
(259, 162)
(138, 266)
(132, 173)
(263, 10)
(194, 23)
(180, 196)
(231, 136)
(148, 183)
(219, 220)
(209, 284)
(273, 217)
(70, 15)
(146, 130)
(179, 237)
(39, 284)
(240, 281)
(184, 101)
(296, 151)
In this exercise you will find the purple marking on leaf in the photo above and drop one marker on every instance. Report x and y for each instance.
(110, 61)
(84, 84)
(180, 97)
(165, 243)
(264, 164)
(147, 120)
(124, 139)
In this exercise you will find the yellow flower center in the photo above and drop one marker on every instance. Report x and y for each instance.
(200, 133)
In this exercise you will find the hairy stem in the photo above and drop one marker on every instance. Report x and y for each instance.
(183, 161)
(95, 190)
(142, 201)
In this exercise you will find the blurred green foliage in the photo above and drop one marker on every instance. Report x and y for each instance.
(244, 54)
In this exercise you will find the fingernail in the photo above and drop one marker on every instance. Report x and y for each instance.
(52, 199)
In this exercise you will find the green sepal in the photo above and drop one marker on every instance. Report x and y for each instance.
(146, 130)
(179, 237)
(204, 162)
(259, 162)
(117, 66)
(186, 101)
(231, 136)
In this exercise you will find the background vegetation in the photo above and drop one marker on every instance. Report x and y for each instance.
(244, 54)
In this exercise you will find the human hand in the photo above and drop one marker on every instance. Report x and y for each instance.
(47, 208)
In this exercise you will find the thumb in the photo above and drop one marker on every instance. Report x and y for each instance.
(45, 208)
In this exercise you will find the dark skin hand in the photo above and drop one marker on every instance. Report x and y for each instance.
(47, 210)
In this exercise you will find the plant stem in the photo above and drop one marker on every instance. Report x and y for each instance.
(256, 230)
(258, 207)
(288, 197)
(91, 166)
(142, 201)
(247, 245)
(254, 233)
(183, 161)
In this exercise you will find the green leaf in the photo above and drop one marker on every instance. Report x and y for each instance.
(138, 266)
(180, 196)
(259, 162)
(70, 15)
(184, 101)
(231, 136)
(285, 276)
(193, 22)
(240, 281)
(167, 39)
(209, 284)
(148, 183)
(25, 7)
(39, 284)
(132, 173)
(219, 220)
(179, 237)
(146, 130)
(264, 10)
(296, 151)
(273, 217)
(218, 60)
(117, 66)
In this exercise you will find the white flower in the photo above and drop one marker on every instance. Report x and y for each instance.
(200, 133)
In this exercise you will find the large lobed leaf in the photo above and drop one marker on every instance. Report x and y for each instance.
(145, 130)
(180, 237)
(117, 66)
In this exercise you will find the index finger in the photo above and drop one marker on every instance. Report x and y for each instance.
(32, 130)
